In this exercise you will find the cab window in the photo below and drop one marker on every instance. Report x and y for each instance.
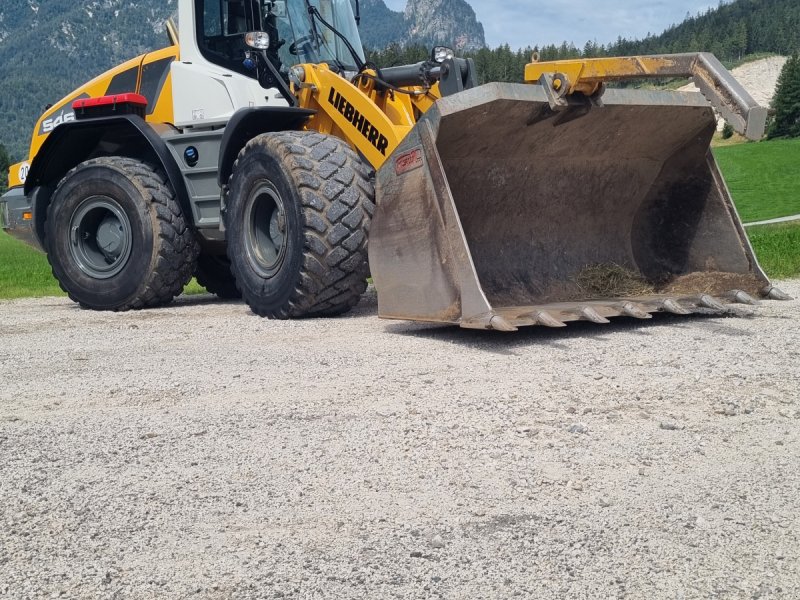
(221, 25)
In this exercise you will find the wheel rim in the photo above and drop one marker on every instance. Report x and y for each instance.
(100, 237)
(265, 229)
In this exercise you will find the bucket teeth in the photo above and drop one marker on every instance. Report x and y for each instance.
(543, 318)
(498, 323)
(712, 303)
(631, 310)
(590, 314)
(741, 297)
(671, 306)
(774, 293)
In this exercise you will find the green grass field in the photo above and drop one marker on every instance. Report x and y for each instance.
(777, 248)
(763, 179)
(25, 273)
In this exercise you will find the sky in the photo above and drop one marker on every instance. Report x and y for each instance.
(521, 23)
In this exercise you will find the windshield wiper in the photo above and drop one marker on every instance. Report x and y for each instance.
(315, 14)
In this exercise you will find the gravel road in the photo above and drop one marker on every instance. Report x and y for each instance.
(201, 451)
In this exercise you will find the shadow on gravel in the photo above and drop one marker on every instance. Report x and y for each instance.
(505, 343)
(201, 299)
(179, 302)
(714, 326)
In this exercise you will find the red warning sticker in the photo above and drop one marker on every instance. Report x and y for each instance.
(408, 161)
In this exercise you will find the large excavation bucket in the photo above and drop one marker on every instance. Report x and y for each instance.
(498, 212)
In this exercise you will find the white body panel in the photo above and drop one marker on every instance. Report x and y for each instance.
(205, 94)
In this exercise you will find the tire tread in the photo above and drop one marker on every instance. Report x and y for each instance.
(337, 196)
(176, 246)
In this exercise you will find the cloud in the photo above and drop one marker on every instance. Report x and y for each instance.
(521, 23)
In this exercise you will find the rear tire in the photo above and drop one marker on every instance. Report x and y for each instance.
(116, 238)
(297, 216)
(214, 273)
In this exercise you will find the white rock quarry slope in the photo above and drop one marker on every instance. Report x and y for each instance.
(759, 78)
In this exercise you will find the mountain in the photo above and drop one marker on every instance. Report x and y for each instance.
(424, 22)
(380, 26)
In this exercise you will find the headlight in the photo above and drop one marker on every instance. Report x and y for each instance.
(441, 54)
(257, 39)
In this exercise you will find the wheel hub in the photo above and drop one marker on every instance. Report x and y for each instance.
(101, 237)
(110, 238)
(265, 229)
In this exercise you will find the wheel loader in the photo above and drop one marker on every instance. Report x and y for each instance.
(262, 153)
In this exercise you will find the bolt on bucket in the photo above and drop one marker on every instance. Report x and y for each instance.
(498, 212)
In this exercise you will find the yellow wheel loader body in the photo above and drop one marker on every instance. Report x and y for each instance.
(497, 206)
(148, 74)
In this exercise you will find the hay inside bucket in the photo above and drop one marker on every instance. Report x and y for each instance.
(610, 280)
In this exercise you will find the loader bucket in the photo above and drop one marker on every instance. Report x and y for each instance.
(497, 212)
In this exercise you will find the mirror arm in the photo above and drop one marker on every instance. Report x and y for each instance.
(278, 80)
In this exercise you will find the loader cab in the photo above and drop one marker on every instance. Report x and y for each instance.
(214, 78)
(293, 35)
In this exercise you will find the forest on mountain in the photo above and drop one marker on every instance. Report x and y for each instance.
(47, 49)
(731, 31)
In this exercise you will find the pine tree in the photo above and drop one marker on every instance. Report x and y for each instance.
(727, 131)
(5, 162)
(786, 104)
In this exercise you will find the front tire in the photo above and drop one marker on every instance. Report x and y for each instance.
(116, 237)
(297, 216)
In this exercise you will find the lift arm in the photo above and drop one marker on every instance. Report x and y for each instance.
(587, 76)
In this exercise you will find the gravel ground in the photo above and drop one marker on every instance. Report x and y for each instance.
(200, 451)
